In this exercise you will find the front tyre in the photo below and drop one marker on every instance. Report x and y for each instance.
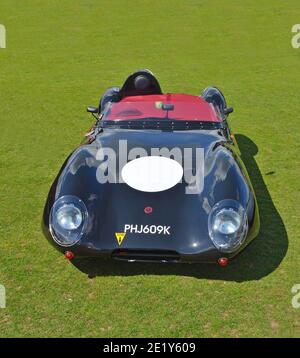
(110, 95)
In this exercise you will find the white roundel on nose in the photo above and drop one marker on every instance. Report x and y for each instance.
(152, 174)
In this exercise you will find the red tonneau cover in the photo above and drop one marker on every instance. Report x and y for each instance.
(186, 107)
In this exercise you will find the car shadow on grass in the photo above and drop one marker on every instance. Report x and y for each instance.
(259, 259)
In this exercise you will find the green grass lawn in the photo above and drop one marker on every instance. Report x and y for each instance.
(60, 56)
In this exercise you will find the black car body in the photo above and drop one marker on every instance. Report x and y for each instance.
(114, 220)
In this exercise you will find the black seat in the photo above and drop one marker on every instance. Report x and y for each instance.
(140, 83)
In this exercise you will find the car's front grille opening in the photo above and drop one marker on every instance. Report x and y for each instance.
(146, 255)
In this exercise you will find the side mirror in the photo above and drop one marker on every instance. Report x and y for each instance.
(228, 110)
(92, 109)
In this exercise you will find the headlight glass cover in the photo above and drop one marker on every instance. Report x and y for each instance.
(227, 225)
(68, 220)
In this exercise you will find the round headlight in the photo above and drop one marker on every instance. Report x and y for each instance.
(68, 220)
(69, 217)
(227, 221)
(228, 225)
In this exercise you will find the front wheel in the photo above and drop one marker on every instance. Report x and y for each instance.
(215, 96)
(110, 95)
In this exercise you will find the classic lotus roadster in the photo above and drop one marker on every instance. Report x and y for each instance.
(159, 178)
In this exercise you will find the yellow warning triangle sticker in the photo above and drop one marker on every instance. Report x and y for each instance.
(120, 237)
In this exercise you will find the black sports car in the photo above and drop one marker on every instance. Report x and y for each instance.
(158, 178)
